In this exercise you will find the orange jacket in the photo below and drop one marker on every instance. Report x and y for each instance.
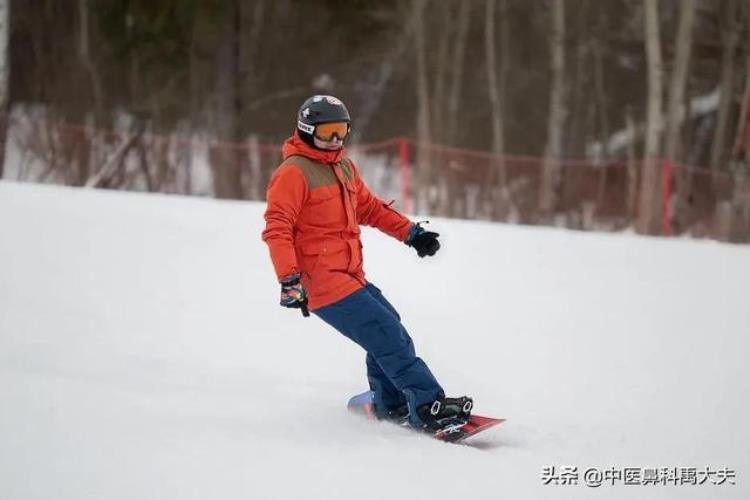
(316, 203)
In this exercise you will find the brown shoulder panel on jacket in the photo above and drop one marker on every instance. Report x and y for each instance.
(315, 174)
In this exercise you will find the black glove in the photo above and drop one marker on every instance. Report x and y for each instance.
(293, 294)
(424, 242)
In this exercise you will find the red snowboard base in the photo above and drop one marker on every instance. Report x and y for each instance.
(362, 404)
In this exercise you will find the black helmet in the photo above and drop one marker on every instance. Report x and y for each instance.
(316, 110)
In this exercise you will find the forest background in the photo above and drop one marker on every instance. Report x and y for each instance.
(609, 114)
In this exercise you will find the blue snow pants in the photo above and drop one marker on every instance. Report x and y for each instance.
(395, 373)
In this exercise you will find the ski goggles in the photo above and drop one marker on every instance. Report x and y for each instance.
(326, 131)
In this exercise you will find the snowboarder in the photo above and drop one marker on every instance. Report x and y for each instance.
(316, 203)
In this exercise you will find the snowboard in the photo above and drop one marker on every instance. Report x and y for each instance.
(362, 404)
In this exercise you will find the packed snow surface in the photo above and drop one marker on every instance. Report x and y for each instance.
(143, 355)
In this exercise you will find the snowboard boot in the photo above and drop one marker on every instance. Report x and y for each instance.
(444, 412)
(398, 415)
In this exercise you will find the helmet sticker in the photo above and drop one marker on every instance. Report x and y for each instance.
(305, 127)
(306, 112)
(332, 100)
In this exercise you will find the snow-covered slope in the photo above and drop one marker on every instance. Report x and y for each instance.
(143, 356)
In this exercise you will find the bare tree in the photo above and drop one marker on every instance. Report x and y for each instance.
(649, 193)
(493, 89)
(85, 150)
(439, 50)
(4, 72)
(678, 81)
(730, 34)
(497, 183)
(599, 72)
(741, 149)
(631, 191)
(225, 164)
(556, 119)
(424, 135)
(457, 68)
(84, 51)
(423, 93)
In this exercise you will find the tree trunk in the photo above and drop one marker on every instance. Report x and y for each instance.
(601, 98)
(423, 94)
(4, 78)
(581, 106)
(194, 113)
(225, 162)
(444, 26)
(650, 178)
(600, 52)
(682, 48)
(423, 104)
(742, 137)
(741, 148)
(457, 70)
(730, 37)
(84, 49)
(492, 80)
(497, 181)
(505, 61)
(631, 196)
(553, 153)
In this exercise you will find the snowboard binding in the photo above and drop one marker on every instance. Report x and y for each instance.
(443, 413)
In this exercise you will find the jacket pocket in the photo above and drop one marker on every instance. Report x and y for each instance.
(310, 259)
(321, 195)
(324, 207)
(320, 260)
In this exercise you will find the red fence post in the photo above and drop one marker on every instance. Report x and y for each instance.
(666, 184)
(403, 156)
